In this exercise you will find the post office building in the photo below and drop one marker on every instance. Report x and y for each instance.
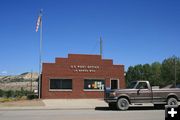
(80, 76)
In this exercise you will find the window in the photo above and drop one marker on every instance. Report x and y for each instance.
(60, 83)
(132, 85)
(142, 85)
(93, 84)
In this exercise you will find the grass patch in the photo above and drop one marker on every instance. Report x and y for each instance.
(7, 99)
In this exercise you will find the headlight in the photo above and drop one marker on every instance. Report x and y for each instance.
(113, 94)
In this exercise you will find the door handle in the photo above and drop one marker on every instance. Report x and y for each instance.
(138, 91)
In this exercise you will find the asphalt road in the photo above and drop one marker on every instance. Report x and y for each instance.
(82, 114)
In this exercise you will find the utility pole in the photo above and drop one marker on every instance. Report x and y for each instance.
(101, 47)
(31, 82)
(175, 71)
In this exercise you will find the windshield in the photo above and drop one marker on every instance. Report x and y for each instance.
(131, 85)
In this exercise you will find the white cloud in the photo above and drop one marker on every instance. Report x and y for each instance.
(4, 72)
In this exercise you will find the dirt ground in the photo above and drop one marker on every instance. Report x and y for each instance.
(22, 103)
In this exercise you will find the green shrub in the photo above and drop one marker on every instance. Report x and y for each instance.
(31, 96)
(14, 94)
(1, 93)
(9, 93)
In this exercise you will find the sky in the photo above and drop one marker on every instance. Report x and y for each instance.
(133, 31)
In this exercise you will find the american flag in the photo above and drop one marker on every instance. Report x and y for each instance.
(38, 23)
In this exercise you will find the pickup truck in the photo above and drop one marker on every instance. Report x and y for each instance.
(140, 92)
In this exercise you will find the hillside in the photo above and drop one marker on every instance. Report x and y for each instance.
(24, 77)
(17, 82)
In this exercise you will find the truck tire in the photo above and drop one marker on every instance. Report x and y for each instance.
(172, 101)
(122, 104)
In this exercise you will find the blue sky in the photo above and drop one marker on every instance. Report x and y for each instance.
(133, 31)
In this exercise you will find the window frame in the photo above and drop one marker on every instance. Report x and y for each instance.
(141, 83)
(118, 87)
(93, 79)
(60, 89)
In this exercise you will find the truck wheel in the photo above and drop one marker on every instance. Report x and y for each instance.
(172, 101)
(122, 104)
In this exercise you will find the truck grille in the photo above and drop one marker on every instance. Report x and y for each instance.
(107, 95)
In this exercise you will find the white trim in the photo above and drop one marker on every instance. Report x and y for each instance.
(117, 82)
(91, 90)
(94, 78)
(64, 90)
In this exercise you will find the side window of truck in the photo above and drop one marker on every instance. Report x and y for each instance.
(142, 85)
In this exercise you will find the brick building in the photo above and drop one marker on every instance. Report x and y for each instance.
(80, 76)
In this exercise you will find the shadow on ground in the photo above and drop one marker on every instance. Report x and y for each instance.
(131, 108)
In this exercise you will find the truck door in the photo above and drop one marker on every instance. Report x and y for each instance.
(143, 93)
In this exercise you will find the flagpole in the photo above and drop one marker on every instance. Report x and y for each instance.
(101, 47)
(40, 56)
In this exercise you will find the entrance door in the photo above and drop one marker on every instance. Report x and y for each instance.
(114, 84)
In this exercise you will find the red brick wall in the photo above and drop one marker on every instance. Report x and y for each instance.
(62, 69)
